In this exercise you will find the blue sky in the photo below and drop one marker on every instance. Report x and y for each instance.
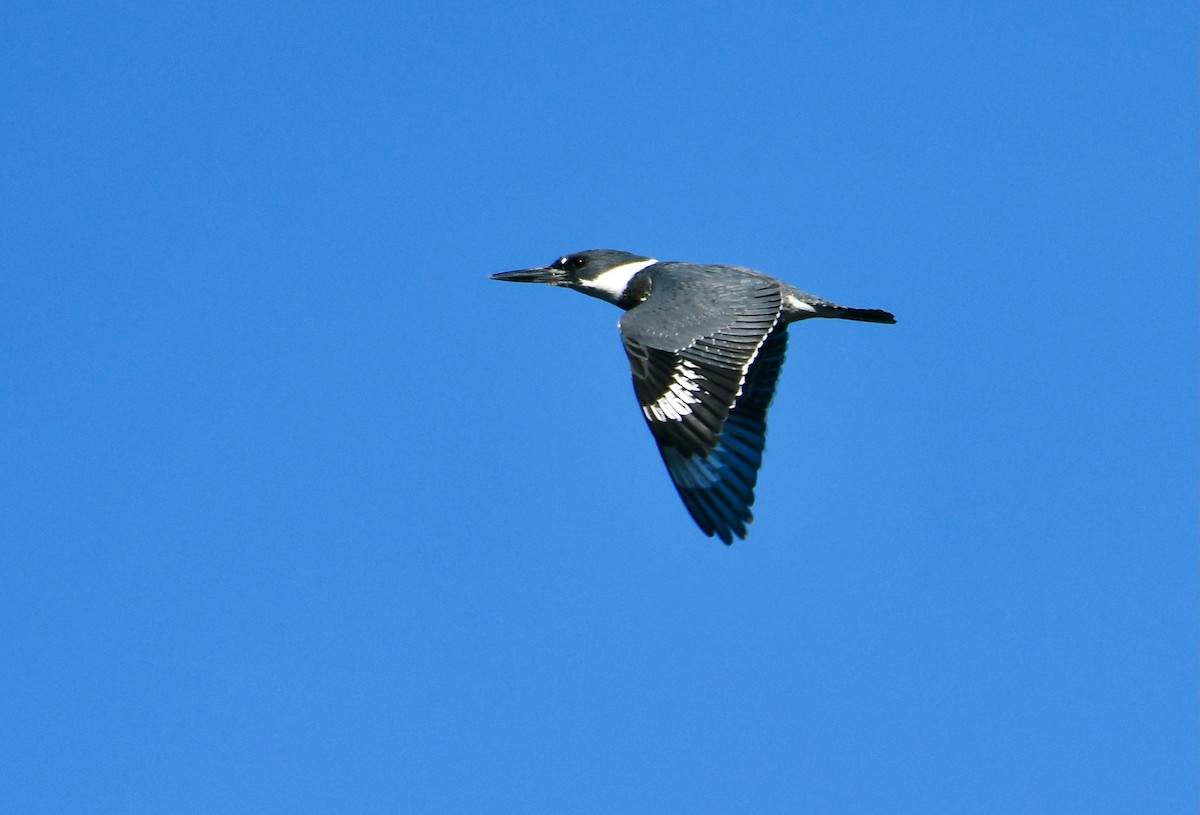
(302, 513)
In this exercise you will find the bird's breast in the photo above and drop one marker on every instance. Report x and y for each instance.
(636, 292)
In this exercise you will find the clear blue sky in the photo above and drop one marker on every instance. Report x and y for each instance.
(299, 512)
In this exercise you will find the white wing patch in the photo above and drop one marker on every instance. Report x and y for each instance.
(680, 396)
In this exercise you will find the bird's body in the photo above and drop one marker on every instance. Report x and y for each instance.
(706, 344)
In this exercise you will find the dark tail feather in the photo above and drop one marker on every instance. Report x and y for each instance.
(866, 315)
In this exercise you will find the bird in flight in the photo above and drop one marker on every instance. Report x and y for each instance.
(705, 344)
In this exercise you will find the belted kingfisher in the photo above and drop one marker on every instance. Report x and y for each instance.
(706, 344)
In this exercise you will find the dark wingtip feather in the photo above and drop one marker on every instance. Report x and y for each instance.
(717, 504)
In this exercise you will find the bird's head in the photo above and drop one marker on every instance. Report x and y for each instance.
(602, 273)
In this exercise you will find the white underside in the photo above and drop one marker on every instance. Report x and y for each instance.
(795, 302)
(612, 283)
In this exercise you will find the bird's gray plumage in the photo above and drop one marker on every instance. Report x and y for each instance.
(705, 345)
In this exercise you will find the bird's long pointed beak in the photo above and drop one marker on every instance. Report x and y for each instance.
(554, 277)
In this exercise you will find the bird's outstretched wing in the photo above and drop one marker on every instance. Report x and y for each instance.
(705, 381)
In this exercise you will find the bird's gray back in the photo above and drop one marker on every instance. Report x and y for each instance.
(687, 302)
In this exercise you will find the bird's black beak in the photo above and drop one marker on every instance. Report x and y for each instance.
(555, 277)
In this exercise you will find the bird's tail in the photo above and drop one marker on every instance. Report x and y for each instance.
(801, 304)
(866, 315)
